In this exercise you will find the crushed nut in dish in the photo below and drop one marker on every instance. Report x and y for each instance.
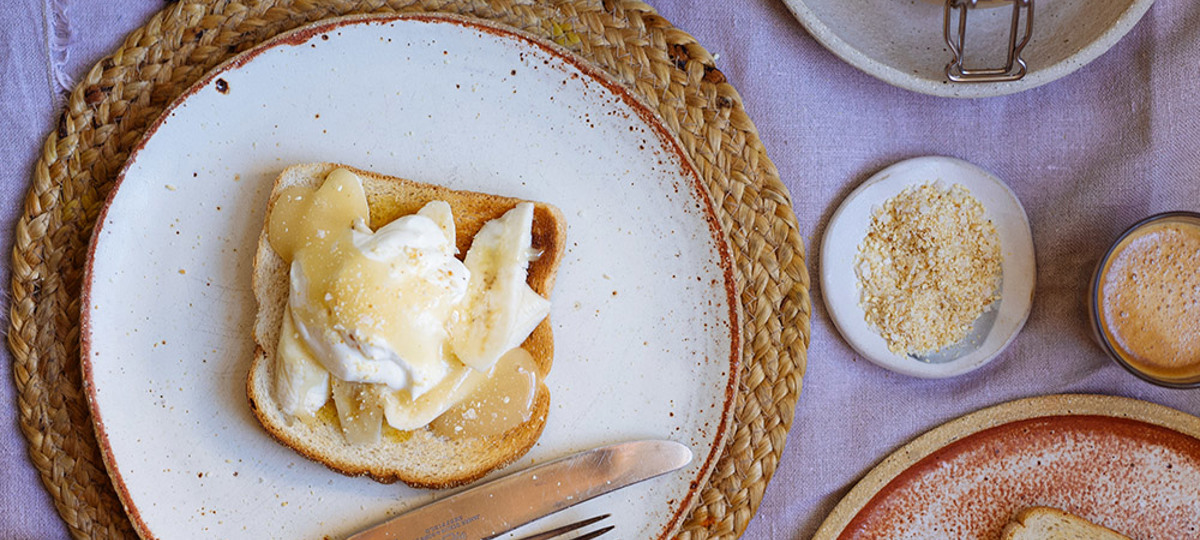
(928, 268)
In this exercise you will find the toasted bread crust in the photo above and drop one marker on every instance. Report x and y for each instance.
(420, 459)
(1046, 523)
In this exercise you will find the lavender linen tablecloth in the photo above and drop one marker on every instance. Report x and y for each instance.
(1088, 155)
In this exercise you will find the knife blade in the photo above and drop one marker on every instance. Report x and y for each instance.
(501, 505)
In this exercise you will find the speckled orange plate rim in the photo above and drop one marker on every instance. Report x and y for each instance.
(961, 428)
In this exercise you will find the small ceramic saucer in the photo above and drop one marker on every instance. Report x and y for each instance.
(993, 331)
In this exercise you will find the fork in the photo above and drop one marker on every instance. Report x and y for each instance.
(560, 531)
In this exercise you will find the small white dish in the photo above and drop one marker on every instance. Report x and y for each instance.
(994, 330)
(902, 43)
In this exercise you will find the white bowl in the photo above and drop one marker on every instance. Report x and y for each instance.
(901, 41)
(994, 329)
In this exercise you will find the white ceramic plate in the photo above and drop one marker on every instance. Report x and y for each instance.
(644, 312)
(902, 43)
(994, 330)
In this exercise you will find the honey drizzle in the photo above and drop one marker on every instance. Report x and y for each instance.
(502, 402)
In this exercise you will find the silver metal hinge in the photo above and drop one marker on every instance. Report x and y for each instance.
(1014, 68)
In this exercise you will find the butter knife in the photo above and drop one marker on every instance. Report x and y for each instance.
(501, 505)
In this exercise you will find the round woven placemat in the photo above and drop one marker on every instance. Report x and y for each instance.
(107, 113)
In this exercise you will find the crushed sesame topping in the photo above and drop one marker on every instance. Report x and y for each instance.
(928, 268)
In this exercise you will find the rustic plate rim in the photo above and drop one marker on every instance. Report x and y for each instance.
(638, 104)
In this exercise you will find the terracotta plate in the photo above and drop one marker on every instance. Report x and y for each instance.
(644, 311)
(1129, 465)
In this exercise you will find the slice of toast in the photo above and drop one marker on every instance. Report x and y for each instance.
(1045, 523)
(418, 458)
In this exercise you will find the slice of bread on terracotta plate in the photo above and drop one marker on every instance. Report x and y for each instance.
(1045, 523)
(419, 458)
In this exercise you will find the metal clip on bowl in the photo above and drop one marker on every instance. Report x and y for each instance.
(1015, 67)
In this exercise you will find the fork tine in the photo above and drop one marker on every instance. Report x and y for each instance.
(595, 534)
(558, 532)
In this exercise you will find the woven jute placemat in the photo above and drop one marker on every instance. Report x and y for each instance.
(108, 112)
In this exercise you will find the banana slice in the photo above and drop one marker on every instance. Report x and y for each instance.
(359, 409)
(500, 309)
(405, 413)
(503, 401)
(301, 382)
(439, 212)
